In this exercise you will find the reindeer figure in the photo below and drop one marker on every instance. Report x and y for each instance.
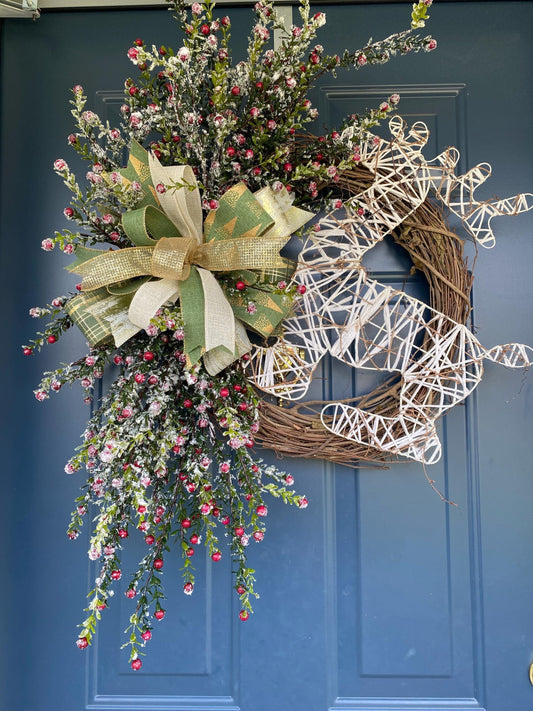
(370, 325)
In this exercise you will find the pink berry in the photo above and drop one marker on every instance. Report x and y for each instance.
(239, 531)
(116, 574)
(82, 642)
(146, 635)
(136, 664)
(130, 593)
(122, 532)
(261, 510)
(217, 555)
(159, 614)
(188, 588)
(149, 540)
(140, 378)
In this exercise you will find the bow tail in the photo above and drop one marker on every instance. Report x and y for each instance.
(210, 326)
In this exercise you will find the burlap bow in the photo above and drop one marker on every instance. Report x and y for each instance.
(242, 237)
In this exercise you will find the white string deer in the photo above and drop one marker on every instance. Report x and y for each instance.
(370, 325)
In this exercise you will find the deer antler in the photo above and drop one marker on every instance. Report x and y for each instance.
(457, 192)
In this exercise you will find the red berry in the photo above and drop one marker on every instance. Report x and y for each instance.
(82, 642)
(138, 42)
(217, 555)
(51, 339)
(136, 664)
(241, 590)
(242, 406)
(235, 90)
(150, 540)
(258, 536)
(116, 574)
(187, 403)
(27, 351)
(301, 289)
(133, 90)
(189, 552)
(140, 378)
(204, 29)
(224, 392)
(261, 510)
(159, 614)
(259, 85)
(158, 563)
(122, 532)
(230, 151)
(240, 285)
(68, 212)
(146, 635)
(239, 531)
(148, 356)
(237, 388)
(130, 593)
(141, 509)
(287, 167)
(186, 523)
(162, 51)
(188, 588)
(244, 615)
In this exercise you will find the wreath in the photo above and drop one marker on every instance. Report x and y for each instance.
(196, 312)
(392, 191)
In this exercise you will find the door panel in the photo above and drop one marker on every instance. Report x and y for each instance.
(378, 596)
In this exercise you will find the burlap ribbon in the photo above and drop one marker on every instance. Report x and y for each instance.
(242, 237)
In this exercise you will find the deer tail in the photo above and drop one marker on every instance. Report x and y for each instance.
(511, 355)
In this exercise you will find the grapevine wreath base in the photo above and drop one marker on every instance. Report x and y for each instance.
(392, 190)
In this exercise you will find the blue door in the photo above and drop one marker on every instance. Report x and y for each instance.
(378, 596)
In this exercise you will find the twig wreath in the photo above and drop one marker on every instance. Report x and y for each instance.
(220, 174)
(368, 325)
